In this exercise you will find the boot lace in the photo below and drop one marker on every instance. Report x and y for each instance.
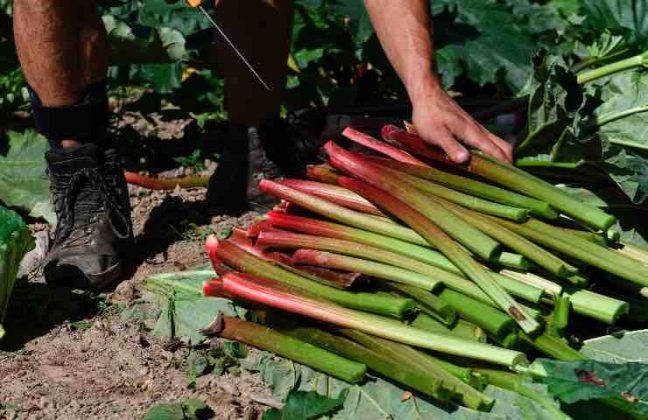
(70, 210)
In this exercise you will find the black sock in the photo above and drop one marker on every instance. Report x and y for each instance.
(85, 122)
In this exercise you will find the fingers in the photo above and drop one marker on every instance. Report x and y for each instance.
(477, 136)
(452, 147)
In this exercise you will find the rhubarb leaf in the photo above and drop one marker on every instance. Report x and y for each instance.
(377, 398)
(183, 309)
(190, 409)
(23, 181)
(302, 405)
(625, 139)
(585, 380)
(15, 241)
(619, 348)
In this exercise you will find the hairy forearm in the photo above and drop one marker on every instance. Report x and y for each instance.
(404, 30)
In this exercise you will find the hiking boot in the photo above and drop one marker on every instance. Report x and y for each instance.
(94, 230)
(234, 187)
(294, 142)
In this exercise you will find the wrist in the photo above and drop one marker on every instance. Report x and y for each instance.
(423, 90)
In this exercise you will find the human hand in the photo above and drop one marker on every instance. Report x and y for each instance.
(439, 120)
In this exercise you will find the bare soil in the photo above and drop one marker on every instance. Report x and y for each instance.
(72, 355)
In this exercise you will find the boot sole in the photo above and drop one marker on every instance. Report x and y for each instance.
(71, 276)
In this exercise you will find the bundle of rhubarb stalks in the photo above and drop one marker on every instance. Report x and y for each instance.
(440, 277)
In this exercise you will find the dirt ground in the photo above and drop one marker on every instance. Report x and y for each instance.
(71, 355)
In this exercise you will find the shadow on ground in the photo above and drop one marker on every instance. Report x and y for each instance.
(36, 308)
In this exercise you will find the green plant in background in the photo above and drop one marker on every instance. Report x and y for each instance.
(15, 241)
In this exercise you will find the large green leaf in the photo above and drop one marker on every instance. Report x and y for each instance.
(620, 348)
(302, 405)
(377, 398)
(183, 309)
(138, 44)
(586, 380)
(625, 139)
(15, 241)
(23, 182)
(619, 16)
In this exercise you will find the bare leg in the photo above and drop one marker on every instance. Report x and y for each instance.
(62, 49)
(261, 29)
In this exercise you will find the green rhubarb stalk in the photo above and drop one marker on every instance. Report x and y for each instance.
(553, 347)
(289, 240)
(258, 290)
(549, 287)
(639, 60)
(465, 394)
(491, 320)
(559, 317)
(519, 289)
(461, 328)
(635, 252)
(585, 234)
(521, 181)
(339, 213)
(314, 257)
(580, 249)
(374, 360)
(452, 226)
(478, 204)
(514, 382)
(429, 303)
(512, 260)
(239, 259)
(597, 306)
(516, 242)
(422, 223)
(474, 187)
(291, 348)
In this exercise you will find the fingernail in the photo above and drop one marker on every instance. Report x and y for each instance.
(461, 156)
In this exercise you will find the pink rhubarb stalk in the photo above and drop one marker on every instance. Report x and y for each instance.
(333, 193)
(382, 147)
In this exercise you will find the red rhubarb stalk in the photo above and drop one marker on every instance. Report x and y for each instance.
(339, 213)
(333, 193)
(382, 147)
(257, 290)
(153, 183)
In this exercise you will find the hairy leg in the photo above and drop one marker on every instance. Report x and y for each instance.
(62, 49)
(261, 29)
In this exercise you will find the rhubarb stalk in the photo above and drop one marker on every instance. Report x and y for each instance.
(339, 213)
(240, 259)
(516, 179)
(446, 245)
(370, 268)
(291, 348)
(256, 290)
(429, 303)
(333, 193)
